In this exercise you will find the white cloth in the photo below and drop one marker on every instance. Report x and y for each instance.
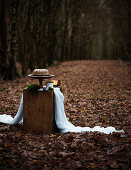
(65, 126)
(18, 117)
(60, 117)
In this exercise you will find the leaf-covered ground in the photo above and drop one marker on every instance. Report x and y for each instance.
(96, 93)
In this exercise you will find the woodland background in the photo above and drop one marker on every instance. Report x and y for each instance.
(39, 33)
(50, 33)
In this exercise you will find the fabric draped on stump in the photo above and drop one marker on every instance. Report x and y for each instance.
(65, 126)
(60, 117)
(18, 117)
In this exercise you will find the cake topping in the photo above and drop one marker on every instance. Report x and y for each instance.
(39, 72)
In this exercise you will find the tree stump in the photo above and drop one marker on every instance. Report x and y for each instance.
(38, 111)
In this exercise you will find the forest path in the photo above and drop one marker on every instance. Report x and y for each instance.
(96, 93)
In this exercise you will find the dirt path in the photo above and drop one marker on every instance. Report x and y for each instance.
(96, 93)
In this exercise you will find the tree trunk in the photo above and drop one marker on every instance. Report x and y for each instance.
(3, 40)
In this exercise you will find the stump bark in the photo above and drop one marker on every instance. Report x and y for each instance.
(38, 111)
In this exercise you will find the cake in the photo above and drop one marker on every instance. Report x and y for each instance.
(40, 72)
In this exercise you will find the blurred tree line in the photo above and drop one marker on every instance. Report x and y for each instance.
(36, 33)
